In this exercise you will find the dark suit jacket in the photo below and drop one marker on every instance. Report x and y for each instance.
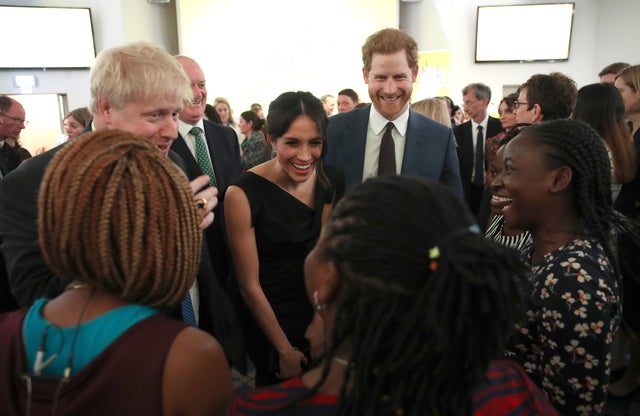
(10, 159)
(30, 278)
(464, 139)
(225, 157)
(429, 150)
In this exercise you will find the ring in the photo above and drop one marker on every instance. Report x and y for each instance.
(202, 203)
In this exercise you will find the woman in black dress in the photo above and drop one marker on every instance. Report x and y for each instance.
(274, 213)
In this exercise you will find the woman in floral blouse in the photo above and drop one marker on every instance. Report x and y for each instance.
(557, 176)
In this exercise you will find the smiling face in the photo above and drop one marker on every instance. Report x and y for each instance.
(193, 111)
(299, 149)
(526, 180)
(499, 198)
(156, 120)
(390, 82)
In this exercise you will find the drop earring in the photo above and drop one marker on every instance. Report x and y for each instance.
(317, 304)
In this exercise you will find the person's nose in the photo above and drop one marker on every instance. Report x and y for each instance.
(169, 128)
(496, 182)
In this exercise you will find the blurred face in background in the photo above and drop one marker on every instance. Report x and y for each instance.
(223, 111)
(345, 103)
(507, 116)
(13, 122)
(72, 127)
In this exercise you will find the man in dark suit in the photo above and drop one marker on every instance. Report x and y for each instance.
(387, 137)
(12, 123)
(221, 154)
(471, 152)
(144, 96)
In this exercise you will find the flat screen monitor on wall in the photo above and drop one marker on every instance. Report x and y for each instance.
(524, 33)
(46, 37)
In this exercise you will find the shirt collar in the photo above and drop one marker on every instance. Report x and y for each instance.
(378, 122)
(185, 128)
(483, 123)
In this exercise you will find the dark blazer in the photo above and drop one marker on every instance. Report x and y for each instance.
(464, 140)
(225, 157)
(10, 159)
(30, 278)
(429, 150)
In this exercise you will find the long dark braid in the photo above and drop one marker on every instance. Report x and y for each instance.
(576, 144)
(425, 303)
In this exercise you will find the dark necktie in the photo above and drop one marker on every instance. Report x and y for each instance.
(188, 314)
(478, 175)
(387, 158)
(201, 155)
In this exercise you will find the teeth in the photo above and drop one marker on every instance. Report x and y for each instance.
(302, 167)
(497, 198)
(390, 99)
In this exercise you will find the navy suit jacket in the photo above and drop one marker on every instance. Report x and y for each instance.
(429, 151)
(464, 139)
(225, 158)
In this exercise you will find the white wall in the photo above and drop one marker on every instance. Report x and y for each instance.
(603, 32)
(114, 22)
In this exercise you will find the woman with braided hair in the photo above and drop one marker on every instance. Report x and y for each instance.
(118, 222)
(416, 309)
(557, 177)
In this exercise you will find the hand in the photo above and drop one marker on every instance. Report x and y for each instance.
(201, 190)
(315, 335)
(291, 364)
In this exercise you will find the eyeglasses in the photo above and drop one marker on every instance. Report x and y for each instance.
(16, 120)
(517, 104)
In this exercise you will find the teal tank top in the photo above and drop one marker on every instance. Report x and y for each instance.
(91, 339)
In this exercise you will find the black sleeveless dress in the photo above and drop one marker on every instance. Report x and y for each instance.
(286, 230)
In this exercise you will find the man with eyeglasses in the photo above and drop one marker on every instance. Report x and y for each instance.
(11, 124)
(545, 97)
(470, 138)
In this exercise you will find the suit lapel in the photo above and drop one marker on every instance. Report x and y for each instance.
(414, 142)
(180, 147)
(355, 140)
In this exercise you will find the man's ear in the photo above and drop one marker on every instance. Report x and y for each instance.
(105, 109)
(561, 179)
(537, 113)
(414, 73)
(365, 75)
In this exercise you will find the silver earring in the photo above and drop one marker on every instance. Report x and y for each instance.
(317, 304)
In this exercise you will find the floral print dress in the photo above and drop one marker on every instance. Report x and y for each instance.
(564, 344)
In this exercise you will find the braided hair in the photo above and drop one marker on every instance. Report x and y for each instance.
(116, 213)
(424, 303)
(575, 144)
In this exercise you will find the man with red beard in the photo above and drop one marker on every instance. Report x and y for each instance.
(387, 137)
